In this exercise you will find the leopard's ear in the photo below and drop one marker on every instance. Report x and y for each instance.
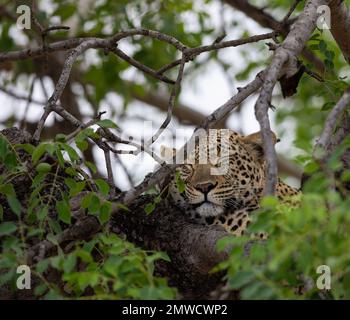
(167, 153)
(255, 144)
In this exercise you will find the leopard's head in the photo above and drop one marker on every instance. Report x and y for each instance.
(225, 170)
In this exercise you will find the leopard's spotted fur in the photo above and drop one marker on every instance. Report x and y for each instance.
(225, 198)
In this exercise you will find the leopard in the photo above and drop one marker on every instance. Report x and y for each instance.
(223, 179)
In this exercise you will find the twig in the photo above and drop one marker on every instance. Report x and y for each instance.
(161, 174)
(329, 127)
(84, 126)
(110, 177)
(35, 21)
(234, 102)
(139, 146)
(174, 92)
(291, 10)
(193, 52)
(54, 28)
(268, 21)
(140, 66)
(61, 84)
(26, 109)
(21, 97)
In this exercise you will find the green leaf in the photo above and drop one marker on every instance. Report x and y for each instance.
(102, 186)
(43, 167)
(122, 206)
(60, 137)
(311, 167)
(63, 211)
(1, 212)
(71, 171)
(223, 242)
(15, 205)
(7, 189)
(39, 152)
(86, 200)
(69, 263)
(179, 182)
(91, 166)
(42, 265)
(149, 208)
(39, 178)
(82, 145)
(29, 148)
(95, 204)
(328, 105)
(84, 255)
(10, 160)
(40, 289)
(73, 155)
(60, 157)
(42, 213)
(7, 228)
(74, 186)
(65, 11)
(3, 148)
(269, 201)
(159, 255)
(241, 279)
(105, 212)
(106, 123)
(55, 226)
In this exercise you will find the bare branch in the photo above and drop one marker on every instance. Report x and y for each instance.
(140, 66)
(284, 62)
(268, 21)
(172, 99)
(29, 98)
(333, 117)
(290, 11)
(193, 52)
(232, 103)
(84, 126)
(158, 176)
(110, 177)
(21, 97)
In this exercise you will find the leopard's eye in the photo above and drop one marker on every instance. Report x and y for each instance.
(186, 171)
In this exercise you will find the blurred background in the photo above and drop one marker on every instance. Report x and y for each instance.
(136, 102)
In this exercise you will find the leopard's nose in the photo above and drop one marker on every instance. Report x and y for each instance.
(205, 187)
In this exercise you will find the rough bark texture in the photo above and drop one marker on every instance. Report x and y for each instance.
(191, 247)
(284, 62)
(340, 26)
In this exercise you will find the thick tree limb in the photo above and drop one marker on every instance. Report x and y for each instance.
(284, 62)
(111, 41)
(340, 26)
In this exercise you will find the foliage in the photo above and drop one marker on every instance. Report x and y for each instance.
(301, 238)
(105, 267)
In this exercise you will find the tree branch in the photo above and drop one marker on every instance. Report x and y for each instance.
(333, 118)
(284, 62)
(268, 21)
(340, 26)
